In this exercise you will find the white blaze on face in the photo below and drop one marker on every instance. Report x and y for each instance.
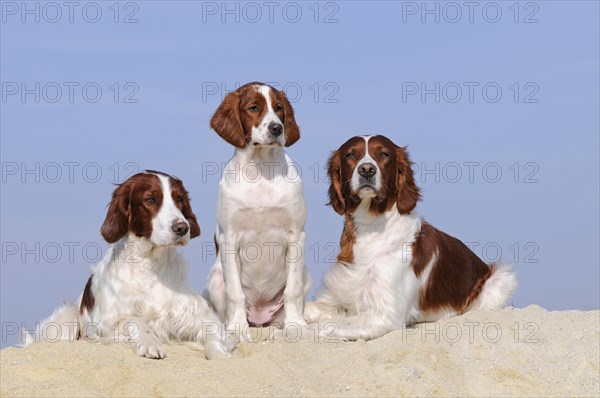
(357, 180)
(168, 214)
(260, 134)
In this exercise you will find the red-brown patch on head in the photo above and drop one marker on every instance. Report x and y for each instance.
(383, 151)
(138, 200)
(134, 203)
(227, 123)
(284, 110)
(340, 167)
(407, 191)
(182, 201)
(246, 108)
(397, 182)
(334, 170)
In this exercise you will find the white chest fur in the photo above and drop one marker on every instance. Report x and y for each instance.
(381, 275)
(260, 217)
(259, 193)
(138, 281)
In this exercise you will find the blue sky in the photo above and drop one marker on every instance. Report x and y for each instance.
(498, 105)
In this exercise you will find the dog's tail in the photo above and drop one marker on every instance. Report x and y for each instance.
(61, 325)
(497, 289)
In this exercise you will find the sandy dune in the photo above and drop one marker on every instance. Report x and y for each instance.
(513, 352)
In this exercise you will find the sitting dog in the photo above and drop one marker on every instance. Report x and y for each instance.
(140, 292)
(259, 277)
(394, 268)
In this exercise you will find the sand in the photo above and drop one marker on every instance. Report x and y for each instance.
(512, 352)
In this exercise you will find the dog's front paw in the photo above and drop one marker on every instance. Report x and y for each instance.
(215, 350)
(330, 332)
(151, 350)
(316, 311)
(230, 341)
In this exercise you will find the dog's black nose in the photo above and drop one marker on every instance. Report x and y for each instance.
(275, 128)
(367, 170)
(180, 228)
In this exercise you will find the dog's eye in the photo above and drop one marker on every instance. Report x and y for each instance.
(253, 108)
(179, 198)
(350, 156)
(383, 155)
(278, 107)
(151, 199)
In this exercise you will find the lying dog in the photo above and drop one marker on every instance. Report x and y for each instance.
(259, 276)
(139, 292)
(394, 268)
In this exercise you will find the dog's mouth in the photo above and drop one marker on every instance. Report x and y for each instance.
(367, 190)
(272, 143)
(184, 240)
(366, 186)
(174, 243)
(179, 241)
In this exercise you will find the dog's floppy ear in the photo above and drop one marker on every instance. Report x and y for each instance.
(407, 190)
(187, 212)
(191, 218)
(334, 169)
(194, 226)
(116, 223)
(227, 122)
(290, 127)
